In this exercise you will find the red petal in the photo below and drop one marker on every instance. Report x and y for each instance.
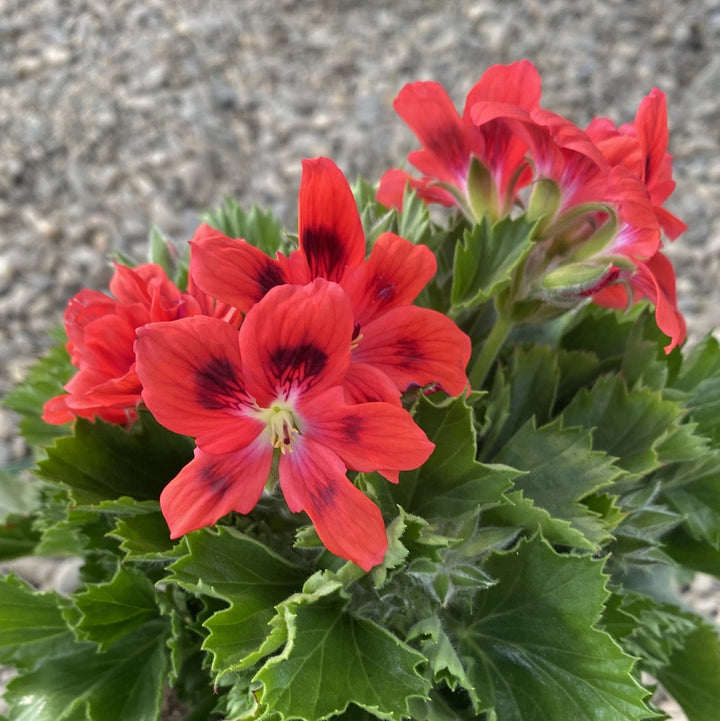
(517, 84)
(367, 436)
(329, 228)
(232, 270)
(211, 486)
(364, 383)
(192, 382)
(447, 141)
(394, 274)
(391, 190)
(655, 280)
(416, 346)
(350, 525)
(671, 224)
(296, 339)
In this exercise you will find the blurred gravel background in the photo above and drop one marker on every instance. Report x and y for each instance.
(122, 115)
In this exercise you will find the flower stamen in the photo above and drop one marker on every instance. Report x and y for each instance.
(281, 423)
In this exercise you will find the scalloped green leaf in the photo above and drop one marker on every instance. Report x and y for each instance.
(692, 675)
(629, 425)
(560, 470)
(333, 659)
(45, 379)
(451, 482)
(144, 536)
(532, 648)
(32, 625)
(647, 628)
(486, 258)
(531, 382)
(258, 227)
(111, 610)
(228, 565)
(124, 682)
(102, 461)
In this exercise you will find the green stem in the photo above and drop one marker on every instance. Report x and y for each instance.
(493, 343)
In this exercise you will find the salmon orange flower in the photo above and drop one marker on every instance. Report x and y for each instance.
(272, 391)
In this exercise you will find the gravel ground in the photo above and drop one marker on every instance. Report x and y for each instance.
(118, 116)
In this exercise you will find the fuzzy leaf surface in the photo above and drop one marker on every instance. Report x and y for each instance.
(242, 571)
(333, 659)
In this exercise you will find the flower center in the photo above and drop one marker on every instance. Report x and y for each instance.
(281, 423)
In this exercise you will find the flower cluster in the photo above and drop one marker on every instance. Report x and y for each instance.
(308, 386)
(101, 334)
(596, 195)
(502, 479)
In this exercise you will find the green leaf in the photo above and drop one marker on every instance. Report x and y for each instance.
(332, 659)
(451, 482)
(144, 536)
(375, 217)
(626, 424)
(114, 609)
(531, 383)
(258, 227)
(18, 537)
(532, 649)
(124, 682)
(18, 495)
(413, 223)
(692, 489)
(647, 628)
(45, 380)
(484, 262)
(238, 569)
(560, 470)
(702, 362)
(442, 655)
(690, 552)
(32, 625)
(104, 461)
(692, 675)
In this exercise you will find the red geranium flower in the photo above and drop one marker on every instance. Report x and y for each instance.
(450, 142)
(641, 147)
(101, 333)
(600, 188)
(395, 344)
(273, 389)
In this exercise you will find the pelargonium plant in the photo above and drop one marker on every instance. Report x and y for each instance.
(443, 454)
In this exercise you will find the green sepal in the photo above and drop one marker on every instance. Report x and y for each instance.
(573, 280)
